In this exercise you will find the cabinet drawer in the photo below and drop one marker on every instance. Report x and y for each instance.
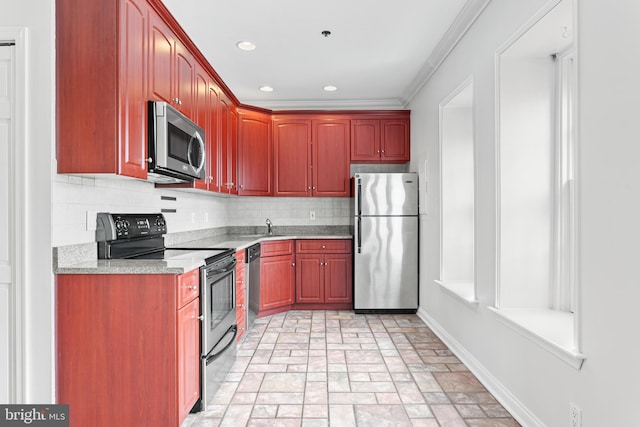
(276, 248)
(314, 246)
(188, 286)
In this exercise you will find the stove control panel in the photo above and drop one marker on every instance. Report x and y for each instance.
(111, 226)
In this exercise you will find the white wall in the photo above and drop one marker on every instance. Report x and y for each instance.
(38, 280)
(534, 384)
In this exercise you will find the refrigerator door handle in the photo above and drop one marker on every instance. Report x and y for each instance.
(359, 198)
(359, 235)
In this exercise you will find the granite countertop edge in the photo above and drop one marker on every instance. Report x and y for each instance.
(84, 261)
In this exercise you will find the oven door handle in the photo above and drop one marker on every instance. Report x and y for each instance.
(213, 354)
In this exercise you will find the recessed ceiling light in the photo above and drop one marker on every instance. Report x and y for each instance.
(330, 88)
(243, 45)
(266, 88)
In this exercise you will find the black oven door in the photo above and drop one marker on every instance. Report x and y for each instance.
(218, 301)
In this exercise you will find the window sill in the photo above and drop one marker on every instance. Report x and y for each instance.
(551, 329)
(460, 289)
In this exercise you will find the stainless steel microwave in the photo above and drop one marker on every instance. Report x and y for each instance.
(176, 146)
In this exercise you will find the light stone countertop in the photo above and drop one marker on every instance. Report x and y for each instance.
(81, 259)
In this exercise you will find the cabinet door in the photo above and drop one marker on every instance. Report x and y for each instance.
(277, 276)
(202, 117)
(255, 154)
(188, 357)
(292, 157)
(395, 144)
(338, 284)
(232, 159)
(228, 145)
(365, 140)
(133, 97)
(162, 52)
(331, 158)
(241, 294)
(309, 288)
(214, 154)
(183, 90)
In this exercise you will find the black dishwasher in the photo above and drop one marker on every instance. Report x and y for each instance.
(253, 280)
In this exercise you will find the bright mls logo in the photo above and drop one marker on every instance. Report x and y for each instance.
(34, 415)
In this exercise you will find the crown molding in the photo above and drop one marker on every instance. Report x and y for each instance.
(373, 104)
(465, 19)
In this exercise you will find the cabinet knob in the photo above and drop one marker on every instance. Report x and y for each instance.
(324, 247)
(149, 159)
(293, 264)
(201, 318)
(193, 288)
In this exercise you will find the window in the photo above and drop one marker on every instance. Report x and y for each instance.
(536, 229)
(457, 215)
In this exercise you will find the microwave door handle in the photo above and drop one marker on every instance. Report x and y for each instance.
(201, 144)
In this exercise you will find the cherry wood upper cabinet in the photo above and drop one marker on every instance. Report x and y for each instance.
(395, 140)
(330, 158)
(161, 59)
(381, 140)
(292, 157)
(172, 67)
(101, 94)
(228, 136)
(255, 153)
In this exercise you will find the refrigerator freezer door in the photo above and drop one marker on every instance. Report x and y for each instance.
(386, 194)
(386, 263)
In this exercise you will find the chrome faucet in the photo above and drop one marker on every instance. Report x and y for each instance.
(269, 231)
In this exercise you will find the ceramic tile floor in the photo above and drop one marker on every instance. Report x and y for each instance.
(338, 368)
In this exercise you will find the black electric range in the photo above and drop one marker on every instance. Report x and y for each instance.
(141, 236)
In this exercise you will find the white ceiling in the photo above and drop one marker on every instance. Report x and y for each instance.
(379, 52)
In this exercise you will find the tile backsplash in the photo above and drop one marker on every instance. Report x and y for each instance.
(77, 199)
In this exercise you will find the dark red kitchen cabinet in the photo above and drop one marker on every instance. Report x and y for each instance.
(171, 69)
(365, 140)
(324, 273)
(183, 85)
(395, 140)
(188, 357)
(309, 286)
(241, 293)
(338, 282)
(255, 153)
(292, 157)
(127, 348)
(228, 137)
(381, 140)
(101, 97)
(202, 114)
(277, 276)
(161, 59)
(330, 158)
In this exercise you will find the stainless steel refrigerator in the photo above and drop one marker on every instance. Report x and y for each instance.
(385, 260)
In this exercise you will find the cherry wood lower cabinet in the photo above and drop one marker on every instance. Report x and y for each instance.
(128, 348)
(241, 293)
(277, 276)
(324, 274)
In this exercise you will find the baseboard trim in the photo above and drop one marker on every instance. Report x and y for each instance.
(516, 408)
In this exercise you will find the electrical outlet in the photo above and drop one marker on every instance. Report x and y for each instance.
(312, 215)
(92, 219)
(575, 415)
